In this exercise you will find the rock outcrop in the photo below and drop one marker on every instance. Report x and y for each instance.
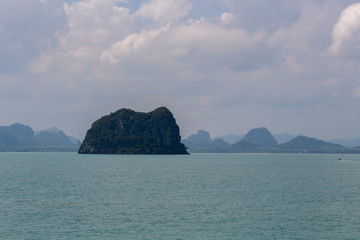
(128, 132)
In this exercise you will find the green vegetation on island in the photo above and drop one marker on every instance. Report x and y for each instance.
(128, 132)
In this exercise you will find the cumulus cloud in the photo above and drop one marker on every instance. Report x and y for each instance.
(226, 17)
(101, 32)
(206, 38)
(95, 22)
(192, 46)
(130, 45)
(347, 25)
(249, 60)
(91, 26)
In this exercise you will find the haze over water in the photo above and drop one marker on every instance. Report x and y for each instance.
(201, 196)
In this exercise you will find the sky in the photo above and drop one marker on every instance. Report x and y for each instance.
(225, 66)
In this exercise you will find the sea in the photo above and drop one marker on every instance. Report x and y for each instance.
(197, 196)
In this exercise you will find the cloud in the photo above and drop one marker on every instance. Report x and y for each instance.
(165, 10)
(23, 32)
(101, 32)
(265, 15)
(356, 93)
(253, 63)
(124, 62)
(345, 28)
(130, 45)
(91, 26)
(95, 22)
(226, 17)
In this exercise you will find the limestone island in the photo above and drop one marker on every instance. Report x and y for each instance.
(128, 132)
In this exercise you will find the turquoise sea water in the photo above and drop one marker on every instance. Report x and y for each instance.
(201, 196)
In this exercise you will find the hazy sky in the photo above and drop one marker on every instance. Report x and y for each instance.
(225, 66)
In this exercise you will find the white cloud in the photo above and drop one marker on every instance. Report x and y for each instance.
(95, 21)
(206, 38)
(226, 17)
(81, 52)
(92, 26)
(107, 54)
(130, 44)
(309, 33)
(194, 44)
(348, 24)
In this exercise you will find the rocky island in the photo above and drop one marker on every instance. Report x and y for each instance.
(260, 140)
(128, 132)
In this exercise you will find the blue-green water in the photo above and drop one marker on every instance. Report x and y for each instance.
(201, 196)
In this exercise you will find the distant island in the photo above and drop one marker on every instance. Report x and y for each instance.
(22, 138)
(128, 132)
(260, 140)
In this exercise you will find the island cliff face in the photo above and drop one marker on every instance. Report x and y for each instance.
(130, 132)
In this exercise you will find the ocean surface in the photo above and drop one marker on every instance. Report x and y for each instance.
(200, 196)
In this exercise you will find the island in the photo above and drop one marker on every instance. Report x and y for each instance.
(260, 140)
(128, 132)
(22, 138)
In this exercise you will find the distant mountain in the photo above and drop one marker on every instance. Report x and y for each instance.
(280, 137)
(19, 137)
(200, 136)
(354, 142)
(58, 136)
(260, 140)
(261, 137)
(53, 139)
(256, 140)
(243, 146)
(201, 142)
(74, 141)
(253, 141)
(310, 145)
(283, 137)
(16, 135)
(300, 144)
(52, 130)
(231, 138)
